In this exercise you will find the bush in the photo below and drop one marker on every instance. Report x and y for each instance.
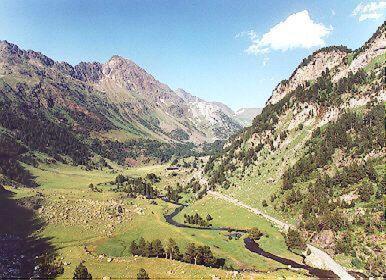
(356, 263)
(255, 233)
(142, 275)
(294, 240)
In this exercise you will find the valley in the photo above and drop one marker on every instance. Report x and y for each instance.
(84, 225)
(106, 170)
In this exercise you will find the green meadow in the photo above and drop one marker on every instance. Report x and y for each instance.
(104, 243)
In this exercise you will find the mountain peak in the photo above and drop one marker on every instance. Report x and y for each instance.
(120, 59)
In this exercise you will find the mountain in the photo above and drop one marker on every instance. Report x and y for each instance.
(315, 155)
(215, 117)
(115, 110)
(141, 105)
(246, 115)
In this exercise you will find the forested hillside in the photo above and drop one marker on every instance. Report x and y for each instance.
(316, 154)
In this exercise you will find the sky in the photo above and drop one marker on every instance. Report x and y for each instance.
(234, 52)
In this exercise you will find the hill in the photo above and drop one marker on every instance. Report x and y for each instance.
(315, 156)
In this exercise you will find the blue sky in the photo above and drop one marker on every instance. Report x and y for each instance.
(218, 50)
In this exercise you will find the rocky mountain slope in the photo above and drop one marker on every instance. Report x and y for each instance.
(79, 114)
(315, 155)
(133, 101)
(215, 117)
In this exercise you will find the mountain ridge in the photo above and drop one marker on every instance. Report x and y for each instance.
(315, 156)
(130, 88)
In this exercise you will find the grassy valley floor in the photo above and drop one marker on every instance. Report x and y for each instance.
(83, 225)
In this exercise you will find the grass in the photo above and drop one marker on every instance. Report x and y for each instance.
(376, 61)
(226, 214)
(259, 183)
(151, 225)
(68, 186)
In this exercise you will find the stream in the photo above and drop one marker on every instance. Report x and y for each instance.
(170, 220)
(253, 247)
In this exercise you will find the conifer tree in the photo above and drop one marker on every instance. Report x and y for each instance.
(81, 273)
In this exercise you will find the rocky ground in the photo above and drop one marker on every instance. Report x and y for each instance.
(85, 211)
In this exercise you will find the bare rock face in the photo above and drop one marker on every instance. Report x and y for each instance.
(246, 115)
(129, 75)
(12, 54)
(214, 117)
(310, 69)
(374, 47)
(88, 72)
(338, 59)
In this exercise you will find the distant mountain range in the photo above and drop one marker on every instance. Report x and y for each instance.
(110, 99)
(115, 110)
(246, 115)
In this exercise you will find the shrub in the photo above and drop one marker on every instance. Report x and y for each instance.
(294, 240)
(255, 233)
(356, 263)
(142, 275)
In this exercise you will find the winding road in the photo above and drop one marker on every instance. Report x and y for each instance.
(318, 258)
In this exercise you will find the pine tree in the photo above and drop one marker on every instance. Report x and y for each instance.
(205, 256)
(134, 248)
(142, 247)
(158, 249)
(191, 254)
(81, 273)
(173, 250)
(149, 252)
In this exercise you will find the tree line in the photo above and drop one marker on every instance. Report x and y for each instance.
(194, 254)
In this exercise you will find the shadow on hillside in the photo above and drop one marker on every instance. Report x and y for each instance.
(20, 247)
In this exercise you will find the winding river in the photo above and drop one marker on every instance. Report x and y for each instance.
(253, 247)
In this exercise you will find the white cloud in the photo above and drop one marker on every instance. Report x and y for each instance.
(296, 31)
(370, 10)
